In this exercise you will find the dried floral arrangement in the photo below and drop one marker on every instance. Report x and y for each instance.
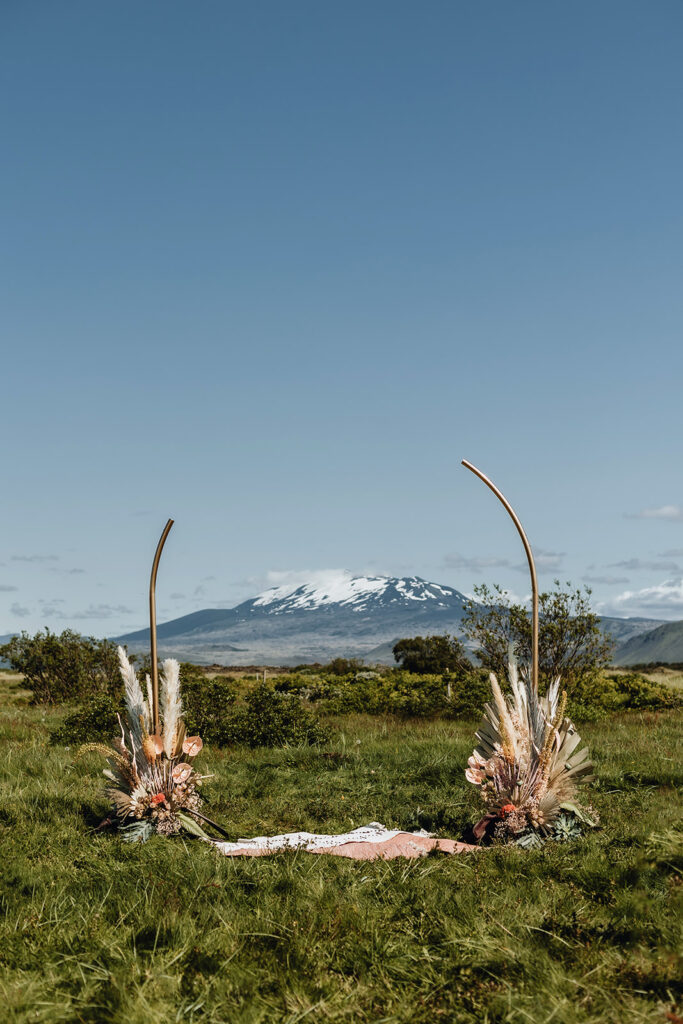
(528, 766)
(153, 784)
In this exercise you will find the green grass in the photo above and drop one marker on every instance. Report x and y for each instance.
(96, 930)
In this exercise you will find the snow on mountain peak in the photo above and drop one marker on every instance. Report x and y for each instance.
(335, 586)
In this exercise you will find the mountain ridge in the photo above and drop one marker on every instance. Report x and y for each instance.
(340, 615)
(331, 615)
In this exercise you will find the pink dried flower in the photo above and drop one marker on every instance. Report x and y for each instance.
(182, 772)
(192, 745)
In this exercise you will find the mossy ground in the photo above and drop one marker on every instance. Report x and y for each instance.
(96, 930)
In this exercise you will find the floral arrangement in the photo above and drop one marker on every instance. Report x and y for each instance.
(528, 765)
(154, 787)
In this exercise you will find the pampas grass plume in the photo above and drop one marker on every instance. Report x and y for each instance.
(171, 704)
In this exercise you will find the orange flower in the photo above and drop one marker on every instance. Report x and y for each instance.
(157, 798)
(507, 809)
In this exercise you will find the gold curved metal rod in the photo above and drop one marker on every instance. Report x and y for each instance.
(153, 625)
(532, 569)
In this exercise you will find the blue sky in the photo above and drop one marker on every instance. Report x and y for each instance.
(274, 269)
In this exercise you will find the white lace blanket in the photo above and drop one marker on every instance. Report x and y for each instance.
(310, 841)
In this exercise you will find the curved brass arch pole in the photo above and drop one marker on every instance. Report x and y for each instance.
(153, 625)
(532, 570)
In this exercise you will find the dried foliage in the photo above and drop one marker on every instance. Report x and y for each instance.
(153, 785)
(528, 763)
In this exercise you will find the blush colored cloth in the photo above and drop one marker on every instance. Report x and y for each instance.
(370, 842)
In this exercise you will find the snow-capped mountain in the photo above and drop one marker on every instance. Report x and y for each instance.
(356, 592)
(329, 615)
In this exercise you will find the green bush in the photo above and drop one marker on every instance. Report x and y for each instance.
(395, 693)
(271, 719)
(295, 683)
(469, 693)
(600, 695)
(431, 655)
(94, 720)
(208, 705)
(342, 667)
(64, 668)
(264, 719)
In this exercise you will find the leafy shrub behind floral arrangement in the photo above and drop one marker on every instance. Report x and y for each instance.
(208, 704)
(94, 720)
(264, 719)
(605, 694)
(65, 667)
(271, 719)
(396, 692)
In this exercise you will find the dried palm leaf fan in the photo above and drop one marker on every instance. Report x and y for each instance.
(153, 784)
(529, 760)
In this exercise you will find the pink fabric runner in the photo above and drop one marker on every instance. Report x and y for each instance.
(370, 842)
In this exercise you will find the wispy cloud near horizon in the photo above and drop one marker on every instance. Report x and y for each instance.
(674, 513)
(457, 561)
(647, 565)
(606, 580)
(663, 598)
(34, 558)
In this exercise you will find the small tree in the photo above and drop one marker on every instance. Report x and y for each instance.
(571, 643)
(66, 667)
(431, 655)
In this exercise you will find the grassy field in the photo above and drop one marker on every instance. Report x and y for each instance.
(97, 930)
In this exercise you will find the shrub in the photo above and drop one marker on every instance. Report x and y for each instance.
(94, 720)
(431, 655)
(342, 667)
(469, 693)
(271, 719)
(64, 668)
(395, 693)
(295, 683)
(208, 705)
(601, 695)
(571, 643)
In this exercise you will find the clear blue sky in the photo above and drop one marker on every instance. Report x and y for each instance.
(273, 269)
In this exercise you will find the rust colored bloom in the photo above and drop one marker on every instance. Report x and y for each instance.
(507, 809)
(157, 798)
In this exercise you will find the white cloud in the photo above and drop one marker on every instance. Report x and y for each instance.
(546, 561)
(672, 512)
(637, 564)
(661, 600)
(100, 611)
(463, 562)
(35, 558)
(606, 580)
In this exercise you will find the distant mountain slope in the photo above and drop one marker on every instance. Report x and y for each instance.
(338, 615)
(332, 615)
(622, 630)
(665, 643)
